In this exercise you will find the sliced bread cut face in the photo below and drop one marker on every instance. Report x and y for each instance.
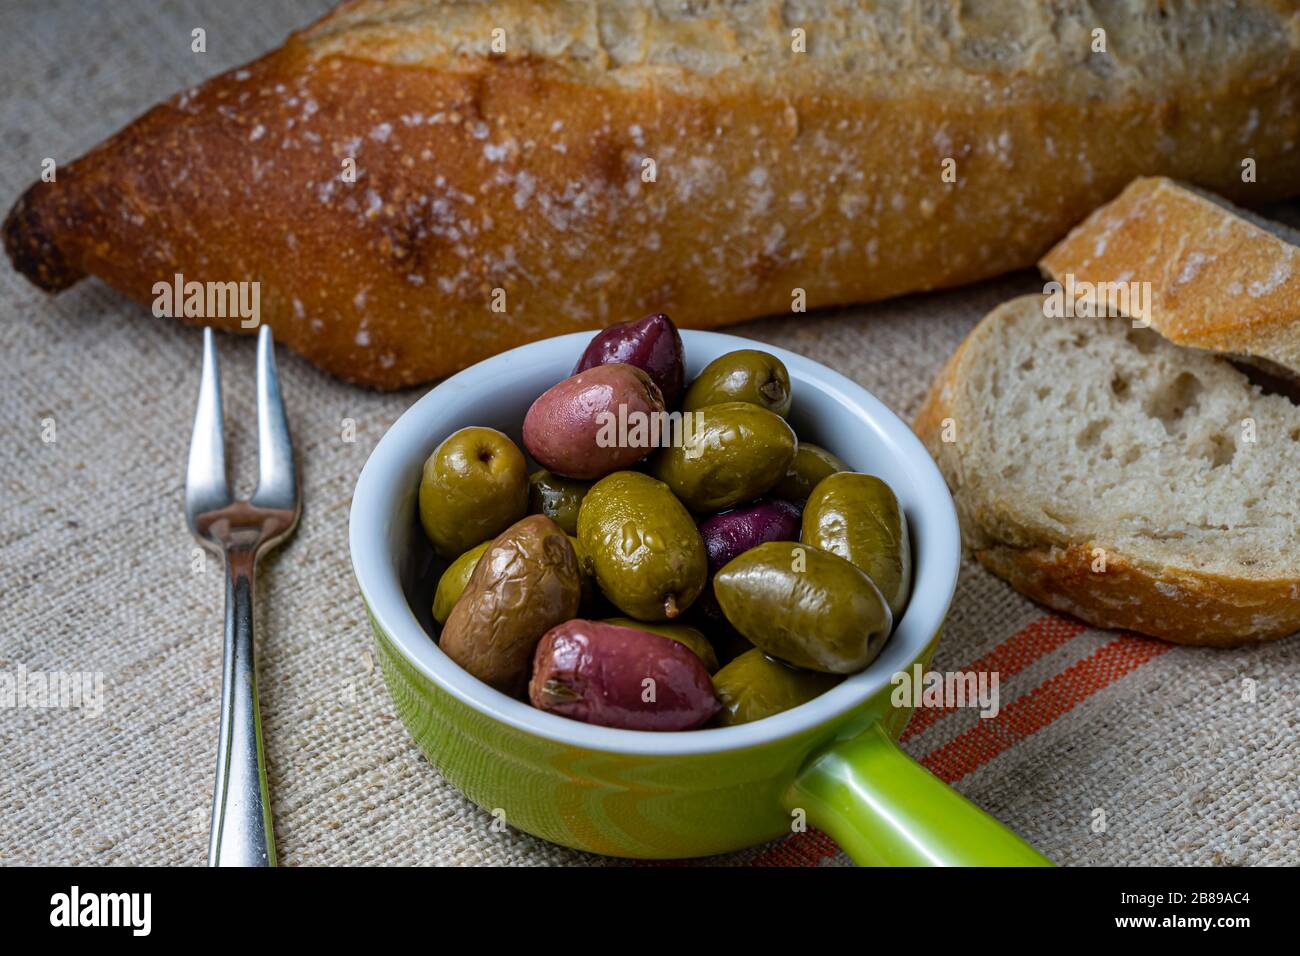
(1110, 474)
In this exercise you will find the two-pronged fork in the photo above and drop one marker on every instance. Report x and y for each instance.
(241, 531)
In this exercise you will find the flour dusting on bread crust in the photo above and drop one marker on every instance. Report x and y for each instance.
(1221, 277)
(412, 200)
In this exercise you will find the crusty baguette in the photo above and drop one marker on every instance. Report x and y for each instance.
(774, 170)
(1106, 472)
(1221, 278)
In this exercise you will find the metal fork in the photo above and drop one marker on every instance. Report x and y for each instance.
(241, 531)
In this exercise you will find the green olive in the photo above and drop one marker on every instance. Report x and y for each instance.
(747, 375)
(474, 486)
(681, 633)
(807, 607)
(556, 497)
(641, 546)
(811, 464)
(858, 517)
(452, 583)
(754, 686)
(737, 452)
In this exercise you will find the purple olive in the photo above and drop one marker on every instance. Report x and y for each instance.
(620, 677)
(730, 534)
(652, 344)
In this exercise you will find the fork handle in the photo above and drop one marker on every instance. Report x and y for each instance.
(241, 810)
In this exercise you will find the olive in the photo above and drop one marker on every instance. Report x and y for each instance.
(811, 464)
(747, 375)
(735, 453)
(807, 607)
(734, 532)
(453, 581)
(596, 422)
(754, 686)
(620, 677)
(652, 344)
(474, 486)
(681, 633)
(556, 497)
(641, 546)
(858, 517)
(526, 583)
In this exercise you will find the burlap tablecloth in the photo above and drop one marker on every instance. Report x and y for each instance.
(97, 574)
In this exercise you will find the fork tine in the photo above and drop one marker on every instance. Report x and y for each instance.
(205, 476)
(277, 479)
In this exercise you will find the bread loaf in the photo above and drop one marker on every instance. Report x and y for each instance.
(1112, 475)
(525, 169)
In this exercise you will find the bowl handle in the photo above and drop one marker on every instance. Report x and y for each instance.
(885, 809)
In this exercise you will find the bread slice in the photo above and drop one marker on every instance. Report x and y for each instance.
(1110, 474)
(1221, 278)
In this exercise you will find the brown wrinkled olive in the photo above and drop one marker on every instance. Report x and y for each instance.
(474, 486)
(620, 677)
(807, 607)
(811, 464)
(746, 375)
(754, 686)
(858, 517)
(454, 580)
(524, 584)
(736, 453)
(681, 633)
(556, 497)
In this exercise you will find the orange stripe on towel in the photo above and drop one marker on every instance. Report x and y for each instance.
(800, 849)
(1012, 656)
(1031, 713)
(1020, 719)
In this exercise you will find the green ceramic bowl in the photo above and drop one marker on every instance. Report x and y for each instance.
(831, 763)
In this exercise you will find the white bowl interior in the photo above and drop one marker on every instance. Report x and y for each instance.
(389, 553)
